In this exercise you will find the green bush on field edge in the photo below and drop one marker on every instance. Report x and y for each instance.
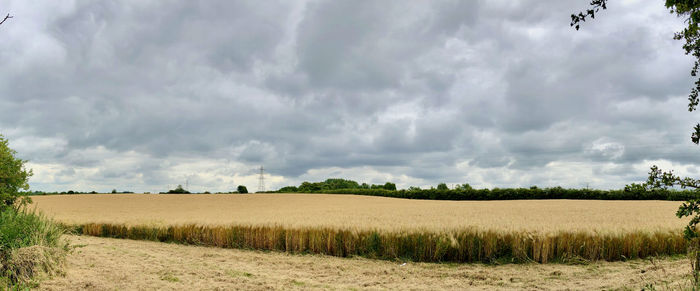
(30, 245)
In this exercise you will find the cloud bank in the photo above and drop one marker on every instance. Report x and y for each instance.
(139, 96)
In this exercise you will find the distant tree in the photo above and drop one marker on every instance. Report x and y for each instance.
(390, 186)
(443, 187)
(414, 188)
(309, 187)
(13, 178)
(114, 191)
(331, 184)
(375, 186)
(242, 189)
(464, 186)
(288, 189)
(178, 190)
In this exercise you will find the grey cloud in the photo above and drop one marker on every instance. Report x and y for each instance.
(445, 91)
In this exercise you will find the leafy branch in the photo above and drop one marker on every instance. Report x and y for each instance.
(596, 5)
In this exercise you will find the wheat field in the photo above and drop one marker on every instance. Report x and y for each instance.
(384, 228)
(362, 212)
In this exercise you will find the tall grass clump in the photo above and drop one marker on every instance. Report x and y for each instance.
(31, 245)
(466, 245)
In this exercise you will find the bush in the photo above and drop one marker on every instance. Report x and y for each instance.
(30, 245)
(242, 189)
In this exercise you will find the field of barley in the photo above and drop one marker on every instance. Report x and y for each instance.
(385, 228)
(362, 212)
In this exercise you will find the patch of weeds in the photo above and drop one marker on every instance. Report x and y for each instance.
(556, 275)
(169, 276)
(575, 261)
(234, 273)
(676, 257)
(451, 265)
(31, 248)
(298, 283)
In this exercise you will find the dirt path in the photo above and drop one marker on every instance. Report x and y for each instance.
(113, 264)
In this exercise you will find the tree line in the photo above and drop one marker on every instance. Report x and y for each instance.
(466, 192)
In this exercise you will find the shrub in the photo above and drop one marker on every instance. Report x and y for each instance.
(30, 245)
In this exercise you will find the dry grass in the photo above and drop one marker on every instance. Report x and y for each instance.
(27, 264)
(111, 264)
(364, 212)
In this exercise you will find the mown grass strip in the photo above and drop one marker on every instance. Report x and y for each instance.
(469, 245)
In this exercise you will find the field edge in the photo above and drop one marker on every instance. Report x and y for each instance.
(458, 246)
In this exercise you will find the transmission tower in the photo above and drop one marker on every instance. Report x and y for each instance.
(261, 180)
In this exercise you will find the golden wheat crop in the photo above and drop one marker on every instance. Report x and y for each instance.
(386, 228)
(363, 212)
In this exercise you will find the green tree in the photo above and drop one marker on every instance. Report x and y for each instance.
(242, 189)
(288, 189)
(178, 190)
(390, 186)
(465, 186)
(442, 186)
(14, 178)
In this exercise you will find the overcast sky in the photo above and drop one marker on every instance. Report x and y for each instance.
(142, 95)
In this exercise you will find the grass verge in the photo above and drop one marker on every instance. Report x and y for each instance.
(31, 246)
(468, 245)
